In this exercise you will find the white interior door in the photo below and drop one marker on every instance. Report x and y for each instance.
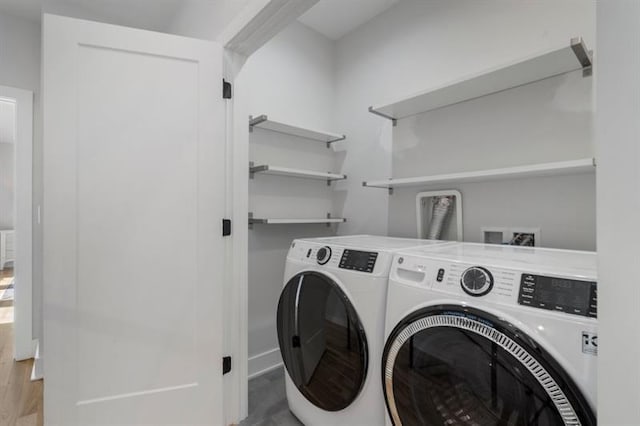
(134, 197)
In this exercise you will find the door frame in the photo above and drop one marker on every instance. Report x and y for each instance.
(258, 23)
(24, 345)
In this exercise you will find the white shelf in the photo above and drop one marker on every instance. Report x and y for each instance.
(291, 221)
(263, 122)
(586, 165)
(284, 171)
(553, 62)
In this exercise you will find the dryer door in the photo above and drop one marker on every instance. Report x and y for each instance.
(457, 365)
(322, 341)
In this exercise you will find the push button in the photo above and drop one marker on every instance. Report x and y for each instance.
(440, 276)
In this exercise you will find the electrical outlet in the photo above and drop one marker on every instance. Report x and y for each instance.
(495, 235)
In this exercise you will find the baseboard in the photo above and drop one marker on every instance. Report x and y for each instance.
(37, 373)
(263, 363)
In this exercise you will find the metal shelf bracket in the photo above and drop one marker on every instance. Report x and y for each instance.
(584, 56)
(388, 117)
(255, 121)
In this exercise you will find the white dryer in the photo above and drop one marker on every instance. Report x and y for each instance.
(331, 327)
(491, 335)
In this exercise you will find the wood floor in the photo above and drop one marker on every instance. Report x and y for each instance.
(20, 398)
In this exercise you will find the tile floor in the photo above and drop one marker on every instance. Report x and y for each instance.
(268, 402)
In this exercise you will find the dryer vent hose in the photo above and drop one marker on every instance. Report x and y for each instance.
(442, 207)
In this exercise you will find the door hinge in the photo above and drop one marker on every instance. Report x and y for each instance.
(226, 227)
(226, 365)
(226, 89)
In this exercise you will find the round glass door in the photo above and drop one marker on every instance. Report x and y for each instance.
(452, 365)
(322, 341)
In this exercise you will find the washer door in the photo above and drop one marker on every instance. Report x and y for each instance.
(322, 341)
(453, 365)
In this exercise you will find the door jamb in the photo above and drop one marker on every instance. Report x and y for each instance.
(259, 22)
(24, 347)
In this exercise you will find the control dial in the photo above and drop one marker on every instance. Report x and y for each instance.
(323, 255)
(476, 281)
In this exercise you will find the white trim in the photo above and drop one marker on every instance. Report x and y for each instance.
(265, 362)
(257, 24)
(24, 347)
(37, 373)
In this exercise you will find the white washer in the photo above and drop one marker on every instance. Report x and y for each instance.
(331, 327)
(491, 335)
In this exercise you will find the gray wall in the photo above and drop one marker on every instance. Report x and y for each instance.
(543, 122)
(618, 148)
(291, 79)
(419, 44)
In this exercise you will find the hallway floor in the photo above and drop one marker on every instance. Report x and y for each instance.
(20, 398)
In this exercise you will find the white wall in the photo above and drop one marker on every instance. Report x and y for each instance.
(20, 67)
(618, 148)
(418, 44)
(7, 164)
(291, 79)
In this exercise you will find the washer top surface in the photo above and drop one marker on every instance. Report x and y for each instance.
(376, 242)
(570, 262)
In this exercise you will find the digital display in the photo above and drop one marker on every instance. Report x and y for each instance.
(558, 294)
(358, 260)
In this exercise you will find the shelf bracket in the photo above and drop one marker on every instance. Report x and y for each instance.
(584, 56)
(253, 169)
(388, 117)
(250, 220)
(328, 217)
(390, 189)
(255, 121)
(343, 137)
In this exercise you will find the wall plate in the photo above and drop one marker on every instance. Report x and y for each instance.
(454, 227)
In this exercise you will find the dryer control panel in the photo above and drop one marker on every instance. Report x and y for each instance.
(355, 260)
(559, 294)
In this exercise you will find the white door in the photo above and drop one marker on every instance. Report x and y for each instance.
(134, 198)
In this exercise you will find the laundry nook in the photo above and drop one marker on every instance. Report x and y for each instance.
(319, 212)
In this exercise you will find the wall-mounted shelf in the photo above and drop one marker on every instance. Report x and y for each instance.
(263, 122)
(328, 220)
(284, 171)
(550, 63)
(586, 165)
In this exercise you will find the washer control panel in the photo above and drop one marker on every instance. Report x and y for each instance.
(363, 261)
(476, 281)
(559, 294)
(323, 255)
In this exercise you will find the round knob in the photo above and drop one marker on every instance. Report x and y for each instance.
(323, 255)
(476, 281)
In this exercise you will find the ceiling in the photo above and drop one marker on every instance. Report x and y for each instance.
(332, 18)
(336, 18)
(157, 15)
